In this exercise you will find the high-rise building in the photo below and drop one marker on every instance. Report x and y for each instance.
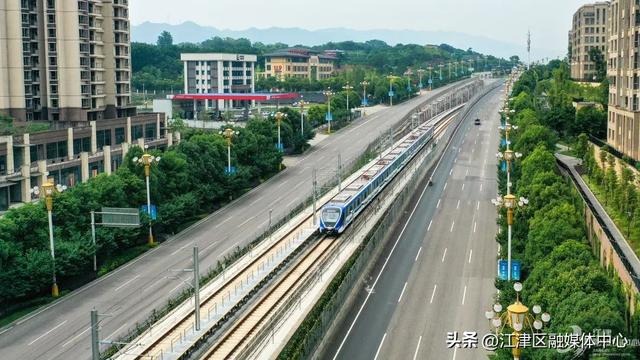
(66, 60)
(589, 31)
(623, 71)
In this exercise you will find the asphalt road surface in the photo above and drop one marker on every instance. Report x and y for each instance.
(437, 274)
(128, 295)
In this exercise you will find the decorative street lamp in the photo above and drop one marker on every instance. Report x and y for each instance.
(279, 116)
(147, 160)
(228, 134)
(348, 88)
(430, 68)
(440, 68)
(47, 190)
(508, 156)
(509, 202)
(420, 74)
(408, 74)
(518, 318)
(391, 78)
(364, 85)
(329, 117)
(301, 104)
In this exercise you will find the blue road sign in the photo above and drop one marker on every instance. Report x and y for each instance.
(230, 170)
(154, 211)
(504, 142)
(391, 94)
(329, 117)
(503, 266)
(280, 147)
(504, 165)
(430, 81)
(365, 102)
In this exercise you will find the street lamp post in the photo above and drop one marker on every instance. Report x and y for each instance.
(329, 117)
(364, 84)
(408, 74)
(420, 84)
(348, 88)
(301, 104)
(440, 69)
(430, 68)
(391, 79)
(228, 134)
(279, 116)
(47, 190)
(518, 318)
(509, 156)
(147, 160)
(509, 202)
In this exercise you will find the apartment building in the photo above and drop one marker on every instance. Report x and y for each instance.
(65, 60)
(300, 63)
(74, 153)
(623, 71)
(217, 73)
(588, 31)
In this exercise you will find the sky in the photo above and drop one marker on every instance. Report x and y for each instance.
(505, 20)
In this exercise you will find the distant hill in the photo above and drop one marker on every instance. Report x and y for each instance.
(191, 32)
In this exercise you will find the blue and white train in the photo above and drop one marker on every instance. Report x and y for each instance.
(340, 211)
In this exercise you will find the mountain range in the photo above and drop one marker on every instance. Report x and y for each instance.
(191, 32)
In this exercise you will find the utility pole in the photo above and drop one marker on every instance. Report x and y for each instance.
(529, 49)
(339, 172)
(196, 285)
(315, 185)
(93, 239)
(95, 336)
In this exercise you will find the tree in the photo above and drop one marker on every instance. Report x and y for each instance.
(532, 136)
(165, 39)
(591, 121)
(600, 64)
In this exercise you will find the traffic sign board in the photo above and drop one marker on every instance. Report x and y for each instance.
(329, 117)
(154, 211)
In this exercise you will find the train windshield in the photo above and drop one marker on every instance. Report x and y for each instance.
(330, 216)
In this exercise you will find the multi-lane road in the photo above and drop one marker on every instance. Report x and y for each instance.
(128, 295)
(437, 274)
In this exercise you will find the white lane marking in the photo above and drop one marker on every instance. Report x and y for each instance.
(464, 294)
(283, 183)
(418, 254)
(450, 172)
(299, 184)
(455, 350)
(115, 332)
(475, 225)
(438, 204)
(380, 346)
(463, 187)
(429, 227)
(223, 221)
(459, 149)
(246, 221)
(453, 223)
(478, 206)
(154, 283)
(455, 160)
(445, 186)
(458, 206)
(470, 253)
(180, 249)
(415, 355)
(127, 282)
(47, 333)
(499, 249)
(384, 265)
(433, 293)
(402, 292)
(480, 187)
(76, 337)
(444, 254)
(175, 288)
(290, 203)
(467, 173)
(208, 246)
(254, 202)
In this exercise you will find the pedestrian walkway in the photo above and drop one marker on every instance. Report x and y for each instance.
(619, 242)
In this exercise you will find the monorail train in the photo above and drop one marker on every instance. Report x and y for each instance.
(340, 211)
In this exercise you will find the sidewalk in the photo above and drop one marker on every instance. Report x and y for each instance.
(623, 249)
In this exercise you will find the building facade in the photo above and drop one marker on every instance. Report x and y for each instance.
(219, 73)
(74, 154)
(65, 60)
(300, 63)
(588, 31)
(623, 71)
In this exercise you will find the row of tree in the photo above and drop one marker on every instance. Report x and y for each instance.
(158, 66)
(188, 182)
(560, 271)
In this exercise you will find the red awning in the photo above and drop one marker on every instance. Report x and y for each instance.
(238, 96)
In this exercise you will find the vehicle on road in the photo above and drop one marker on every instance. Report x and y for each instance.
(477, 121)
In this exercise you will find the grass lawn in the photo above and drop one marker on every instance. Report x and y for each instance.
(631, 233)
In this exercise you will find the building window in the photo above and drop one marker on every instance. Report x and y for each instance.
(136, 132)
(120, 135)
(103, 138)
(150, 131)
(81, 145)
